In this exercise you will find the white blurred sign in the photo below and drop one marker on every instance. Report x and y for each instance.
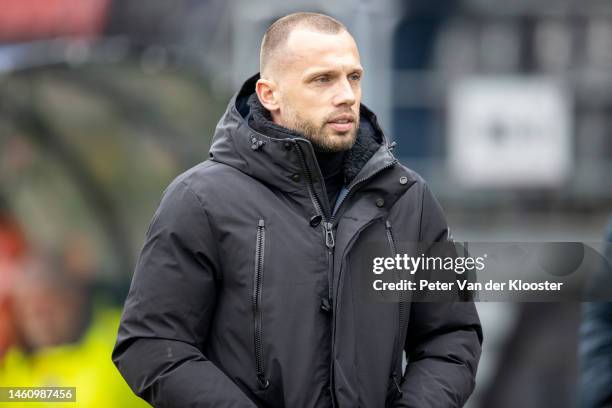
(509, 132)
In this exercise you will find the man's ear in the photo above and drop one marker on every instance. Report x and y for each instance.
(267, 93)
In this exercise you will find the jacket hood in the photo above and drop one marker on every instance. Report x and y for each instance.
(275, 160)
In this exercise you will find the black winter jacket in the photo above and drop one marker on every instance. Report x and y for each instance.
(246, 292)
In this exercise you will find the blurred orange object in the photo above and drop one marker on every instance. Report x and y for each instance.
(22, 20)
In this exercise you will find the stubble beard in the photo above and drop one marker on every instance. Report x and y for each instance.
(323, 139)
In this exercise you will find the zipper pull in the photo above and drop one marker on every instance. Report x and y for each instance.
(325, 305)
(329, 235)
(264, 383)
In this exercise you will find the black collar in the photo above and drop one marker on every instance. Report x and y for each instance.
(350, 162)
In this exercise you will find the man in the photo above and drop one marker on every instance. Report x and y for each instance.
(246, 292)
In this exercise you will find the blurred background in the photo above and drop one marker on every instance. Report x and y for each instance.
(504, 107)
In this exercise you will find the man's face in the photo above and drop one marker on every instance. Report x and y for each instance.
(319, 88)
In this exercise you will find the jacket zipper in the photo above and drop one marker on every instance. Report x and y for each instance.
(311, 192)
(402, 310)
(330, 242)
(257, 315)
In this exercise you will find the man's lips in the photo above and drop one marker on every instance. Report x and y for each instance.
(342, 123)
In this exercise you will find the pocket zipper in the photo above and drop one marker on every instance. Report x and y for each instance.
(257, 315)
(402, 309)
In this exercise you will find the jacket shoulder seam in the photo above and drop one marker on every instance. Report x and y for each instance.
(218, 274)
(195, 195)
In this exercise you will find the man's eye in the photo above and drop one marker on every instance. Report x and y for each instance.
(355, 77)
(322, 79)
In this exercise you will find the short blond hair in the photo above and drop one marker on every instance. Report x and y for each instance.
(276, 35)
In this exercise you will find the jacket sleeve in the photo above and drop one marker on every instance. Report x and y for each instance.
(596, 355)
(595, 349)
(168, 311)
(443, 341)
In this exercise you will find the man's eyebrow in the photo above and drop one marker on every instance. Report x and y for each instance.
(316, 72)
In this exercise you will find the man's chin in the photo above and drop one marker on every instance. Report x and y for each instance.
(337, 142)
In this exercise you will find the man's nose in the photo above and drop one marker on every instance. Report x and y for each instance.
(345, 94)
